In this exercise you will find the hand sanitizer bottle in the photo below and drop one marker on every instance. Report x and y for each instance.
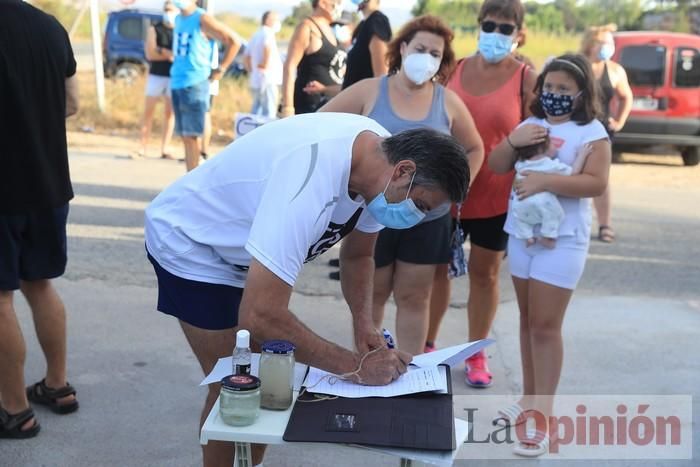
(241, 354)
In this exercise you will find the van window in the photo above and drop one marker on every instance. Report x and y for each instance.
(687, 62)
(131, 28)
(645, 64)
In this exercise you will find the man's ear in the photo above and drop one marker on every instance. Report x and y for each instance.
(407, 167)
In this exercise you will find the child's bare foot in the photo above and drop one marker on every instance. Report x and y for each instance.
(548, 242)
(530, 242)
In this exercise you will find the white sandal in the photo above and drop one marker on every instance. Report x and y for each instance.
(536, 445)
(510, 416)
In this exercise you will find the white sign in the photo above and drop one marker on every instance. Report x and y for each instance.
(245, 123)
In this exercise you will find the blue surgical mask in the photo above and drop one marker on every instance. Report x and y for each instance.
(494, 46)
(607, 50)
(403, 215)
(182, 4)
(557, 105)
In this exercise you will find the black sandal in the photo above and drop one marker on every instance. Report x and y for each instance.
(606, 234)
(40, 393)
(11, 425)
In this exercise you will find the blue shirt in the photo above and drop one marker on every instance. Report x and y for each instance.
(192, 52)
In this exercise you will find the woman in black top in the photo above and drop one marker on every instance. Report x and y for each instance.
(158, 48)
(367, 57)
(318, 60)
(599, 46)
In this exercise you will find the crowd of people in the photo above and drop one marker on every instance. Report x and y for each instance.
(402, 146)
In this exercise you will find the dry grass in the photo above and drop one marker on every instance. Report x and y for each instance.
(125, 101)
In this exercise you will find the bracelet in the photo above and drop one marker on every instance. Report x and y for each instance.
(511, 144)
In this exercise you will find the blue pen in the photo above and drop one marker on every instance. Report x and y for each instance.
(388, 338)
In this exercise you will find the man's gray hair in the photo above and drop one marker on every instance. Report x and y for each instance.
(441, 161)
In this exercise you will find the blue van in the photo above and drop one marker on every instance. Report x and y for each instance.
(123, 44)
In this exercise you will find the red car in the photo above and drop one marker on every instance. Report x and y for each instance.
(664, 72)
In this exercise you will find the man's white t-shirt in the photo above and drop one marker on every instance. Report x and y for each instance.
(272, 75)
(568, 138)
(279, 194)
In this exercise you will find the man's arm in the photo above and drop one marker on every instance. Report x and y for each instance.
(356, 281)
(264, 312)
(71, 96)
(153, 52)
(215, 29)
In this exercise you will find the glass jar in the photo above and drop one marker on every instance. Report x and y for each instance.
(239, 400)
(277, 374)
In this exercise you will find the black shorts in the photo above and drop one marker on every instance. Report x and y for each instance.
(427, 243)
(32, 246)
(487, 232)
(201, 304)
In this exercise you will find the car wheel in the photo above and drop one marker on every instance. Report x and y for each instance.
(691, 155)
(127, 71)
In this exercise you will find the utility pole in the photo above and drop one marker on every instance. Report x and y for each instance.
(97, 54)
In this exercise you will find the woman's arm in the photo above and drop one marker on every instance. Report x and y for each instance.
(151, 48)
(377, 53)
(352, 100)
(464, 130)
(589, 183)
(624, 94)
(297, 46)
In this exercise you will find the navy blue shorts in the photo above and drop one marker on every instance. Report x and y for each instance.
(201, 304)
(32, 246)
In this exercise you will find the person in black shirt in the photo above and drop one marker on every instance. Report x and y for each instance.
(318, 60)
(367, 57)
(159, 52)
(37, 92)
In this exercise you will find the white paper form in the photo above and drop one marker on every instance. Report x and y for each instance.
(224, 367)
(415, 380)
(450, 356)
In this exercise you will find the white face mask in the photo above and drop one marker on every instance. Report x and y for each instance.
(420, 67)
(276, 27)
(337, 11)
(169, 17)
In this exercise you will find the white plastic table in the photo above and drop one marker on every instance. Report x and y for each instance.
(269, 429)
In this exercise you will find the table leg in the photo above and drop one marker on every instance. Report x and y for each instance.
(244, 456)
(406, 463)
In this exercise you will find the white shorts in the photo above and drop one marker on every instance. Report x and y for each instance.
(158, 86)
(561, 266)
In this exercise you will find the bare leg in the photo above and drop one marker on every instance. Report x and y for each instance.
(206, 138)
(484, 265)
(546, 308)
(191, 152)
(50, 323)
(12, 356)
(383, 283)
(208, 346)
(412, 286)
(521, 292)
(439, 301)
(148, 112)
(168, 125)
(603, 209)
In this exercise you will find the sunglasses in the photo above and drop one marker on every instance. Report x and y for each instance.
(504, 28)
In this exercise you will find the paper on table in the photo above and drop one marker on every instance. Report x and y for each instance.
(224, 366)
(413, 381)
(451, 355)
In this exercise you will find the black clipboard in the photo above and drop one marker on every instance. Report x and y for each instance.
(415, 421)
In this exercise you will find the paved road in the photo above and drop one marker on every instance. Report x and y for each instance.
(633, 326)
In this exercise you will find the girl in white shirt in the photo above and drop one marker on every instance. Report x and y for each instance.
(545, 278)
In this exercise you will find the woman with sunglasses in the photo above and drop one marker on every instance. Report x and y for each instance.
(496, 89)
(420, 57)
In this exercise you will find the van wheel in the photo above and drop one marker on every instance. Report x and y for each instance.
(691, 155)
(616, 156)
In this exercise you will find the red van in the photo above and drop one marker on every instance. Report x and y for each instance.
(663, 69)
